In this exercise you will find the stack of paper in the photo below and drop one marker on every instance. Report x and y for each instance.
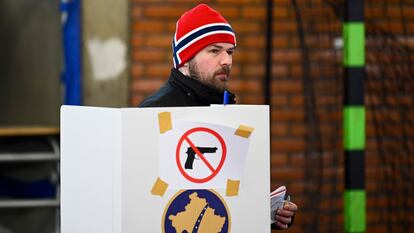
(277, 200)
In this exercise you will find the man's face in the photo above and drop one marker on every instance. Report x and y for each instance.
(212, 65)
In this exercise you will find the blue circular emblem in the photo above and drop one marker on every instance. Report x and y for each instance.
(192, 211)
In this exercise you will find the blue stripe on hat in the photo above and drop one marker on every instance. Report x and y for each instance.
(176, 62)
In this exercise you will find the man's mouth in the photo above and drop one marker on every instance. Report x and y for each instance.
(222, 76)
(223, 73)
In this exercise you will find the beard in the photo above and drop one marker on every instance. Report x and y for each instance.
(211, 80)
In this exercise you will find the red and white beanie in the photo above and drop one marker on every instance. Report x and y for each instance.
(196, 29)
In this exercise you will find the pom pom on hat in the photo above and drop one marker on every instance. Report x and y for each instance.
(196, 29)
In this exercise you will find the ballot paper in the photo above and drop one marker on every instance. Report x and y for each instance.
(277, 200)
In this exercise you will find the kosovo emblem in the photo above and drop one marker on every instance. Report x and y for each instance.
(196, 211)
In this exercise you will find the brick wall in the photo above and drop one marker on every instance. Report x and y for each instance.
(293, 147)
(390, 116)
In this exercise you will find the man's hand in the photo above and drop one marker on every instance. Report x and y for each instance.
(283, 216)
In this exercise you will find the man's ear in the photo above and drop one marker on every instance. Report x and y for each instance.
(184, 69)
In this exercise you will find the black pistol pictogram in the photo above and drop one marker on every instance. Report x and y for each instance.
(191, 155)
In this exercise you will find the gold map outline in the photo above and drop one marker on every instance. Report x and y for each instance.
(183, 190)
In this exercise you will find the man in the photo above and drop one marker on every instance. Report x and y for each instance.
(203, 47)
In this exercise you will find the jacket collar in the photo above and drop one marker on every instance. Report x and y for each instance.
(201, 93)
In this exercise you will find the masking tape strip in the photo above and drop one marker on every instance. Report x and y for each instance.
(159, 187)
(244, 131)
(164, 121)
(232, 187)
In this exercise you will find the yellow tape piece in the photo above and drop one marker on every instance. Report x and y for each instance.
(164, 121)
(244, 131)
(159, 187)
(232, 187)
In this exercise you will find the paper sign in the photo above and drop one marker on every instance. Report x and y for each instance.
(201, 155)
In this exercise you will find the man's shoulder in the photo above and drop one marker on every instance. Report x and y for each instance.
(159, 98)
(166, 96)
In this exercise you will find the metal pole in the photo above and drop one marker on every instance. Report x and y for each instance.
(354, 116)
(267, 84)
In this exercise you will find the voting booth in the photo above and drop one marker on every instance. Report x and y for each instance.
(181, 169)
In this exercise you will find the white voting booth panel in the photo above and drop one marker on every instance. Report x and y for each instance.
(111, 160)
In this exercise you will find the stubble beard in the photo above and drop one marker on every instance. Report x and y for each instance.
(210, 80)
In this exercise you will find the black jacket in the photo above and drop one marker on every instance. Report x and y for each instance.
(182, 91)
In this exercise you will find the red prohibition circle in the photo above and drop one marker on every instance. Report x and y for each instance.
(223, 155)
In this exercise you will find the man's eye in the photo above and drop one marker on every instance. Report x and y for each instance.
(214, 51)
(230, 52)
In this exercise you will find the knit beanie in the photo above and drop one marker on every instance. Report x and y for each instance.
(196, 29)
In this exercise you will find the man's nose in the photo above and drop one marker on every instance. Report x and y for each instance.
(226, 59)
